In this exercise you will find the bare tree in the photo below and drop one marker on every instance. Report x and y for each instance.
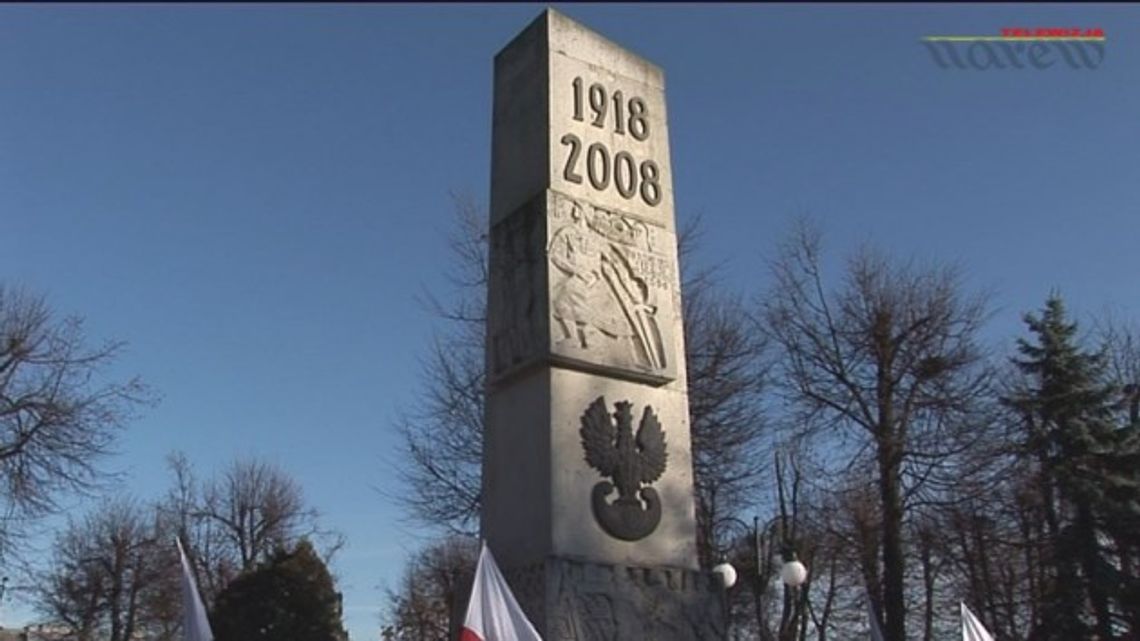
(426, 602)
(239, 518)
(995, 550)
(259, 508)
(112, 576)
(442, 432)
(888, 361)
(58, 419)
(726, 382)
(1122, 344)
(211, 557)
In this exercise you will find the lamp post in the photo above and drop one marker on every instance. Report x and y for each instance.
(3, 589)
(793, 573)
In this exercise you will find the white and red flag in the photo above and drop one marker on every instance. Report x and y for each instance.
(493, 614)
(195, 625)
(972, 628)
(873, 622)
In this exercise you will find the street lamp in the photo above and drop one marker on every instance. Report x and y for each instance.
(726, 573)
(793, 573)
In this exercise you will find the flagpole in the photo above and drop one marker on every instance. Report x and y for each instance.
(195, 623)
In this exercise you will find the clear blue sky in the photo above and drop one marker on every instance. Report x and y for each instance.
(253, 196)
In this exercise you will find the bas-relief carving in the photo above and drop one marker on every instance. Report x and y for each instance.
(515, 309)
(611, 299)
(575, 600)
(598, 602)
(613, 451)
(528, 584)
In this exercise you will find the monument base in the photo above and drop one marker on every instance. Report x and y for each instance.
(572, 600)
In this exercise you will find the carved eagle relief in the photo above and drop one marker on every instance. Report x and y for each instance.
(613, 451)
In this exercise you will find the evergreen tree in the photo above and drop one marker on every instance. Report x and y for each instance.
(291, 597)
(1065, 406)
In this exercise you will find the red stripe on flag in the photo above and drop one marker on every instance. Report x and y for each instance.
(466, 634)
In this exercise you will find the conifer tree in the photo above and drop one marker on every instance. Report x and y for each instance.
(1065, 405)
(291, 597)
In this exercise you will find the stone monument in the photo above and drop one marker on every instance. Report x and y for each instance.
(587, 477)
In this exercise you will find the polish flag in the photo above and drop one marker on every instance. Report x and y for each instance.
(493, 614)
(972, 628)
(873, 622)
(195, 625)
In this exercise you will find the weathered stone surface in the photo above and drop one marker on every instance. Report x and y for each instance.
(536, 108)
(517, 293)
(574, 284)
(537, 484)
(584, 310)
(583, 601)
(612, 292)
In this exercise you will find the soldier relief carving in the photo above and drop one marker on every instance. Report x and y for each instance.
(609, 276)
(612, 450)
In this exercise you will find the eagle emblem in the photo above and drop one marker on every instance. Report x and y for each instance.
(612, 450)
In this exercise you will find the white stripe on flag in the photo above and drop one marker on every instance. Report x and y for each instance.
(972, 628)
(493, 614)
(873, 622)
(195, 625)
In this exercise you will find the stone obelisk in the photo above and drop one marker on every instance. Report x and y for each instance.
(587, 476)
